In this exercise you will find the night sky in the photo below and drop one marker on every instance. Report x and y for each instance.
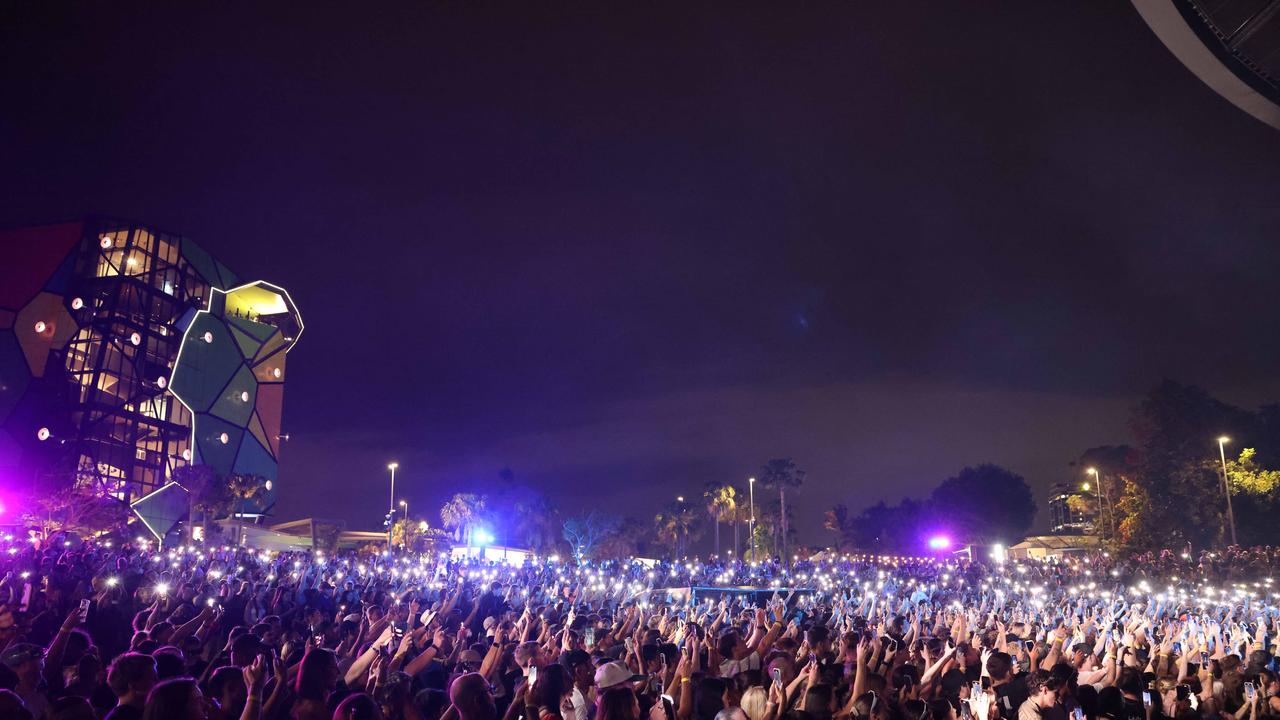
(627, 249)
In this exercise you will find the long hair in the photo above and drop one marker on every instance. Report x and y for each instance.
(708, 698)
(755, 702)
(170, 699)
(553, 684)
(357, 706)
(313, 680)
(617, 703)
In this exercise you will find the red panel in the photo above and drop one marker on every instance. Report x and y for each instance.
(32, 255)
(270, 404)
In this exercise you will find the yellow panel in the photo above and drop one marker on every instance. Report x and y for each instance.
(65, 328)
(272, 344)
(255, 427)
(35, 326)
(254, 300)
(270, 370)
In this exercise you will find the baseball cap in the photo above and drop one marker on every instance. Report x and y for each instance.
(573, 658)
(615, 673)
(21, 653)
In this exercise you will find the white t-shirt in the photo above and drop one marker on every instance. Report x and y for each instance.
(729, 668)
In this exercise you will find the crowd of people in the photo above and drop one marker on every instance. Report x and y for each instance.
(92, 630)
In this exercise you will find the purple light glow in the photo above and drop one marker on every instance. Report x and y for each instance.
(939, 542)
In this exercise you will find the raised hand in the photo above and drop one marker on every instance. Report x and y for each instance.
(72, 621)
(255, 674)
(981, 706)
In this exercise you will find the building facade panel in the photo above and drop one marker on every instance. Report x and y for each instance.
(103, 387)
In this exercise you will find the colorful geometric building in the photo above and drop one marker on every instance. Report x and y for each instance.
(126, 353)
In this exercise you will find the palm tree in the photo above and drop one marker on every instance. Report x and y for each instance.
(461, 513)
(668, 530)
(677, 522)
(780, 474)
(722, 500)
(537, 523)
(837, 520)
(203, 488)
(244, 491)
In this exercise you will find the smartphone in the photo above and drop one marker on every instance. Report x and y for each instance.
(965, 712)
(84, 609)
(630, 644)
(1077, 713)
(1204, 659)
(975, 690)
(777, 676)
(1146, 698)
(1184, 692)
(589, 635)
(1250, 691)
(533, 674)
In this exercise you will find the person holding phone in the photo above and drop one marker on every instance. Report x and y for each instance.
(551, 693)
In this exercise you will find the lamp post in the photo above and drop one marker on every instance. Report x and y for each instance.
(392, 508)
(405, 506)
(1102, 508)
(680, 530)
(1226, 486)
(751, 519)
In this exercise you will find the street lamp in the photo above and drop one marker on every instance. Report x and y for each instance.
(680, 521)
(405, 505)
(1103, 515)
(391, 512)
(1226, 487)
(751, 520)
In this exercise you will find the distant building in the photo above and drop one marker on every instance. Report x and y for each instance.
(1045, 547)
(127, 352)
(1233, 46)
(1072, 509)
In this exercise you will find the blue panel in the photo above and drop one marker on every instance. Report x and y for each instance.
(219, 456)
(253, 459)
(202, 263)
(185, 320)
(161, 510)
(204, 368)
(62, 276)
(232, 405)
(228, 278)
